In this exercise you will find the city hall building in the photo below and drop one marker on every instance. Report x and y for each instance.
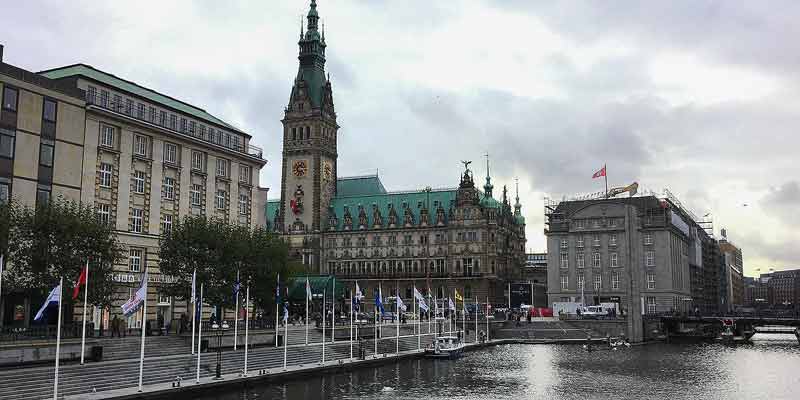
(353, 228)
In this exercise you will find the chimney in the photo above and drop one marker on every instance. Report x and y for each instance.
(1, 53)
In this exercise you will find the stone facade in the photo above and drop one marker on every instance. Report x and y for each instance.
(633, 251)
(140, 158)
(442, 239)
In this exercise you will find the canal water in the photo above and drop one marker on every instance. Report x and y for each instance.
(769, 368)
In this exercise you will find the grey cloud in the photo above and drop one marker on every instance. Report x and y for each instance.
(784, 202)
(737, 32)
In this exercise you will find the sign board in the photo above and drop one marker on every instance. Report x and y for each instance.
(520, 294)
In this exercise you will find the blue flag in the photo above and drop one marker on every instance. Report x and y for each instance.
(53, 299)
(379, 301)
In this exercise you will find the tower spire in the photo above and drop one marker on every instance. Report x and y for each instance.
(487, 188)
(517, 205)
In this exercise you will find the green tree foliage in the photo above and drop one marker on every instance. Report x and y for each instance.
(217, 250)
(54, 241)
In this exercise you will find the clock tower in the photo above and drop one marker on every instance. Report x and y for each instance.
(309, 146)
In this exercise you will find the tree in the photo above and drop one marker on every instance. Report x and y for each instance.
(216, 250)
(55, 240)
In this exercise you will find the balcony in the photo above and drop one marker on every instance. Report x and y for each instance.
(123, 110)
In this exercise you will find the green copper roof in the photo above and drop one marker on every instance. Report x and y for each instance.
(414, 200)
(359, 186)
(92, 73)
(368, 191)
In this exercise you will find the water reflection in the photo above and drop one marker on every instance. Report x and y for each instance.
(766, 369)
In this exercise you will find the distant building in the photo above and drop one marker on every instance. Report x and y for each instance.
(535, 268)
(731, 276)
(774, 289)
(634, 251)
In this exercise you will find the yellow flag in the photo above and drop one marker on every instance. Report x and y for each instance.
(458, 296)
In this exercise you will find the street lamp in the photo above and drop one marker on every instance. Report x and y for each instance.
(219, 330)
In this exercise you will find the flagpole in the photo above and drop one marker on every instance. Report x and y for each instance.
(308, 287)
(85, 296)
(199, 331)
(2, 264)
(324, 294)
(285, 335)
(236, 315)
(351, 324)
(476, 319)
(487, 316)
(333, 312)
(397, 316)
(58, 337)
(452, 315)
(144, 331)
(194, 305)
(416, 310)
(246, 326)
(464, 316)
(277, 294)
(375, 325)
(605, 175)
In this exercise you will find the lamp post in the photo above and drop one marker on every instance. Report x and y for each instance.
(219, 330)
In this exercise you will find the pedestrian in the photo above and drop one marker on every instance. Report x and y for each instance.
(160, 324)
(115, 322)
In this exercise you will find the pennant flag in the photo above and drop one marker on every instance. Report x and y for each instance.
(378, 301)
(132, 305)
(194, 285)
(236, 286)
(400, 305)
(359, 295)
(450, 304)
(53, 299)
(81, 281)
(601, 172)
(278, 290)
(308, 289)
(421, 300)
(458, 296)
(285, 312)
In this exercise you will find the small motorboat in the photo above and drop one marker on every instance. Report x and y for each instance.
(449, 347)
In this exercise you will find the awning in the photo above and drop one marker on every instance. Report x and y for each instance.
(318, 283)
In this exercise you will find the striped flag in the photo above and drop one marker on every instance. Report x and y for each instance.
(132, 305)
(53, 299)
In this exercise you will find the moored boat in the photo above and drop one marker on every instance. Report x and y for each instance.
(449, 347)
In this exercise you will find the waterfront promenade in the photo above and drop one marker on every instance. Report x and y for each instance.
(119, 378)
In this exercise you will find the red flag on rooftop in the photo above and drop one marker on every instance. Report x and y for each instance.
(601, 172)
(81, 281)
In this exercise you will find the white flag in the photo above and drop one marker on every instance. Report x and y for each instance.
(400, 305)
(53, 298)
(131, 306)
(194, 285)
(359, 295)
(421, 300)
(451, 305)
(308, 289)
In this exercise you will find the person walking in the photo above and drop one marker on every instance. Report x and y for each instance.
(115, 322)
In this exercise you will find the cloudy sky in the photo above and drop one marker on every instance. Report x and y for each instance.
(699, 97)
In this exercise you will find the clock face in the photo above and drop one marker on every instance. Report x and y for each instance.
(300, 168)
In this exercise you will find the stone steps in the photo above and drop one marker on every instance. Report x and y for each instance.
(76, 379)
